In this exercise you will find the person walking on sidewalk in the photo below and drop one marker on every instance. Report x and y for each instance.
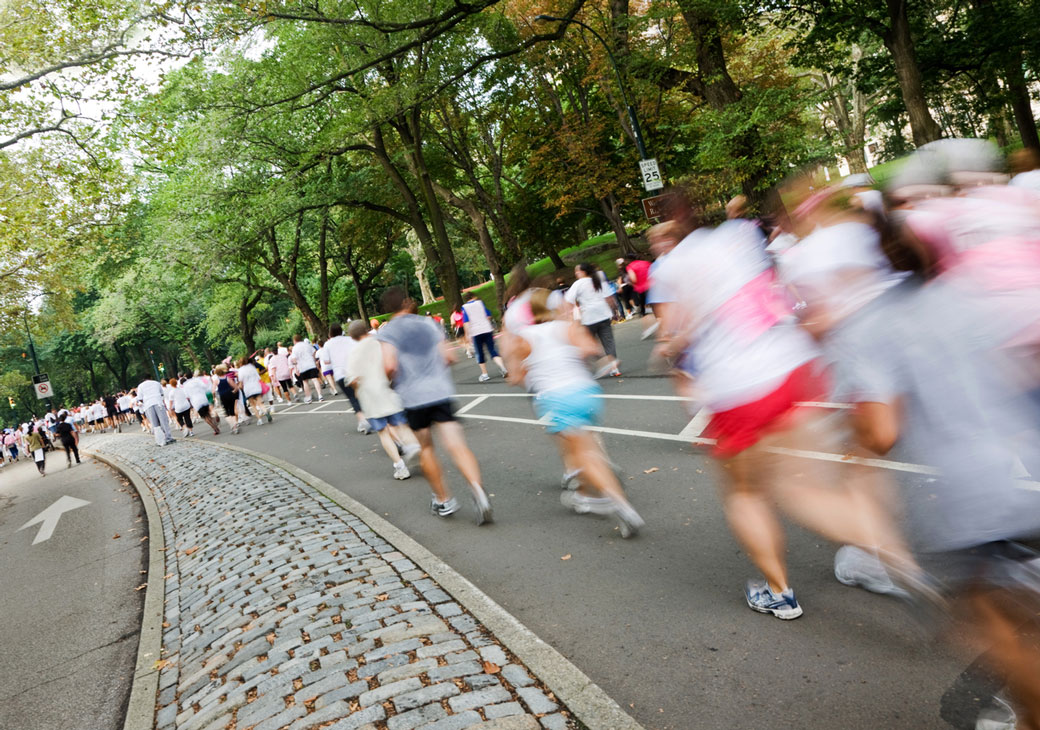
(383, 408)
(35, 443)
(69, 437)
(416, 358)
(181, 406)
(476, 320)
(150, 393)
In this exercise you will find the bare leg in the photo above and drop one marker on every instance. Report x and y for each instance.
(431, 468)
(455, 444)
(403, 434)
(386, 439)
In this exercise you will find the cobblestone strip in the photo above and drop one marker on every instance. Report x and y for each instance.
(284, 610)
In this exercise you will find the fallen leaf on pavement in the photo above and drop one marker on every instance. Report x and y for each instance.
(167, 576)
(115, 536)
(566, 557)
(491, 668)
(382, 596)
(191, 550)
(651, 470)
(141, 587)
(161, 664)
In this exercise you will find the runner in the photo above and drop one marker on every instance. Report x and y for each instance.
(384, 412)
(253, 389)
(553, 355)
(150, 393)
(35, 444)
(339, 349)
(416, 360)
(279, 363)
(197, 389)
(325, 364)
(68, 434)
(227, 392)
(303, 358)
(587, 294)
(480, 331)
(181, 406)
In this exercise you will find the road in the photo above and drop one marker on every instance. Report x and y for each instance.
(659, 622)
(71, 616)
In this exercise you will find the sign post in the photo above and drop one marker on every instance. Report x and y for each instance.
(653, 208)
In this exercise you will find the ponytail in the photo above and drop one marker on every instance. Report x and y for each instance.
(591, 271)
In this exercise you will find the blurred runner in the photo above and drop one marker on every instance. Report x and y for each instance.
(480, 331)
(416, 360)
(588, 295)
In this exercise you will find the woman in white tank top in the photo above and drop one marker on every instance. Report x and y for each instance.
(552, 355)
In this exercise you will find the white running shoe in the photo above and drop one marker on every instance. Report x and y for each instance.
(281, 401)
(321, 398)
(629, 521)
(307, 399)
(587, 505)
(444, 509)
(484, 377)
(482, 505)
(401, 471)
(363, 427)
(570, 480)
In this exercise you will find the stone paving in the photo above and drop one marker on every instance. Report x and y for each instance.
(284, 610)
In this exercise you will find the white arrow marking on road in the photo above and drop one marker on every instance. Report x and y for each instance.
(48, 519)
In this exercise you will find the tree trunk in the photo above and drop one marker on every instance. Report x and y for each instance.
(245, 323)
(362, 309)
(900, 43)
(609, 206)
(410, 131)
(1021, 105)
(273, 264)
(554, 256)
(415, 250)
(323, 271)
(483, 238)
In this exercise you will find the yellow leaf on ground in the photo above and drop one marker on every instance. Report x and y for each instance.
(191, 550)
(566, 557)
(651, 470)
(491, 668)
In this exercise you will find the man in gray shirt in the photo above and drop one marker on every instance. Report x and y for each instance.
(416, 361)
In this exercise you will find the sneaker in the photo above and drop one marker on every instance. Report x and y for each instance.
(234, 429)
(321, 399)
(401, 471)
(191, 434)
(650, 331)
(505, 373)
(482, 505)
(281, 401)
(269, 416)
(444, 509)
(603, 371)
(615, 373)
(856, 567)
(307, 399)
(629, 521)
(761, 598)
(584, 505)
(484, 377)
(259, 422)
(410, 454)
(570, 480)
(363, 427)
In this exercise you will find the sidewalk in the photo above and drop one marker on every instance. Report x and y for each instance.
(285, 610)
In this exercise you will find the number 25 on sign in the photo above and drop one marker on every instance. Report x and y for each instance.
(651, 174)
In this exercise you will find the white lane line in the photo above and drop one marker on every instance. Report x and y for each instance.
(472, 404)
(321, 406)
(697, 424)
(668, 398)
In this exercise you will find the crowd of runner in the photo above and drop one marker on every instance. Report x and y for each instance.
(917, 306)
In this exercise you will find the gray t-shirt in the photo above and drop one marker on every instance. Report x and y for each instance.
(930, 349)
(422, 375)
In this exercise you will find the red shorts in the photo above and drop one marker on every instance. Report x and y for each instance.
(742, 427)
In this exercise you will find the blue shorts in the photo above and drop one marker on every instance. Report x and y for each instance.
(569, 409)
(394, 419)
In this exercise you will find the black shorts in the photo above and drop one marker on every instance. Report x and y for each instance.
(286, 384)
(228, 400)
(311, 374)
(140, 416)
(203, 412)
(425, 416)
(184, 418)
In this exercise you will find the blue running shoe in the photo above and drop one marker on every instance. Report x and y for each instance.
(762, 599)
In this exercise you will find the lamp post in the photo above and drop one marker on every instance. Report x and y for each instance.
(32, 351)
(154, 369)
(632, 119)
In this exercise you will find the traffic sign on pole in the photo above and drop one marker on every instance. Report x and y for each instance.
(42, 386)
(651, 174)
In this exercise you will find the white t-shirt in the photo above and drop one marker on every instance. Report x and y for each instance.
(323, 358)
(591, 303)
(249, 377)
(365, 363)
(49, 418)
(150, 393)
(338, 350)
(554, 362)
(196, 389)
(744, 344)
(179, 399)
(303, 354)
(477, 316)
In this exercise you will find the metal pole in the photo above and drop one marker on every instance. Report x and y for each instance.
(154, 369)
(632, 119)
(32, 351)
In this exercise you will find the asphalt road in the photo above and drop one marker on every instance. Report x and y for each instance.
(70, 614)
(659, 621)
